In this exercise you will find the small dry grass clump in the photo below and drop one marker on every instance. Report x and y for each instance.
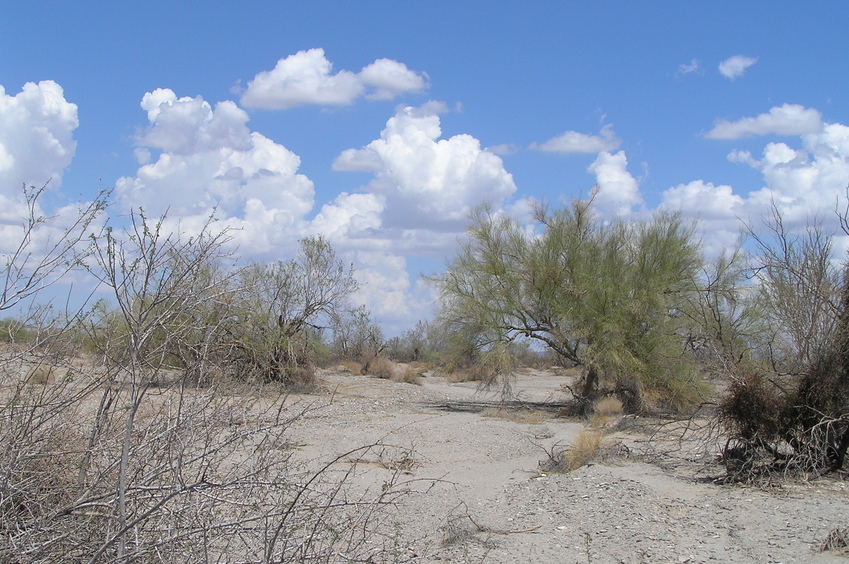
(408, 375)
(42, 374)
(422, 367)
(351, 366)
(460, 375)
(606, 409)
(588, 447)
(583, 450)
(379, 367)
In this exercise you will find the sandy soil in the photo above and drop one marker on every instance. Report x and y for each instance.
(476, 492)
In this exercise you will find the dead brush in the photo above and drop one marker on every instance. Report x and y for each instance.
(379, 367)
(604, 410)
(351, 366)
(526, 416)
(408, 375)
(836, 541)
(422, 367)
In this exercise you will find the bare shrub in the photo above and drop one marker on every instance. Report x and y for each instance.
(786, 406)
(379, 367)
(122, 459)
(280, 310)
(407, 375)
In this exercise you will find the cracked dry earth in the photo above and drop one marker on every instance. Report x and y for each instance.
(476, 492)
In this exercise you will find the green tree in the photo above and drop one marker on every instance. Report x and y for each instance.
(602, 295)
(283, 307)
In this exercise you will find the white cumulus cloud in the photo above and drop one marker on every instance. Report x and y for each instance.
(576, 142)
(428, 181)
(349, 218)
(307, 77)
(616, 191)
(805, 182)
(209, 160)
(735, 67)
(36, 136)
(788, 119)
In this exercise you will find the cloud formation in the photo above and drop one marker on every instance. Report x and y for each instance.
(616, 192)
(788, 119)
(36, 136)
(735, 67)
(575, 142)
(801, 182)
(209, 160)
(307, 78)
(687, 68)
(427, 181)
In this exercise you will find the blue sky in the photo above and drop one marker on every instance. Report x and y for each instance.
(379, 124)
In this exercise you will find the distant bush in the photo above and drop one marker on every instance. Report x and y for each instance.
(15, 331)
(408, 375)
(379, 367)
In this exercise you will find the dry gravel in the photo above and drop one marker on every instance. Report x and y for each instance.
(476, 491)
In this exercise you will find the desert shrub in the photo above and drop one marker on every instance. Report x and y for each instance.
(379, 367)
(351, 366)
(279, 311)
(97, 465)
(408, 375)
(603, 295)
(355, 334)
(786, 408)
(14, 331)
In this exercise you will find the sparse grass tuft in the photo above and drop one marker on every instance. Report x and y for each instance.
(408, 375)
(608, 405)
(379, 367)
(585, 449)
(605, 409)
(351, 366)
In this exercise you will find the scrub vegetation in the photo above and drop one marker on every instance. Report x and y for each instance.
(150, 424)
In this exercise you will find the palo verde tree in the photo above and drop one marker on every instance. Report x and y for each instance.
(602, 295)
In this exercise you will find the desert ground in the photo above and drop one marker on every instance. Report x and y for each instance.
(472, 469)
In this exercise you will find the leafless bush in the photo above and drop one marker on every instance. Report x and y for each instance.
(117, 455)
(786, 407)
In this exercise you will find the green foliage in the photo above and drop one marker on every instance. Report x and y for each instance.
(280, 310)
(13, 331)
(601, 295)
